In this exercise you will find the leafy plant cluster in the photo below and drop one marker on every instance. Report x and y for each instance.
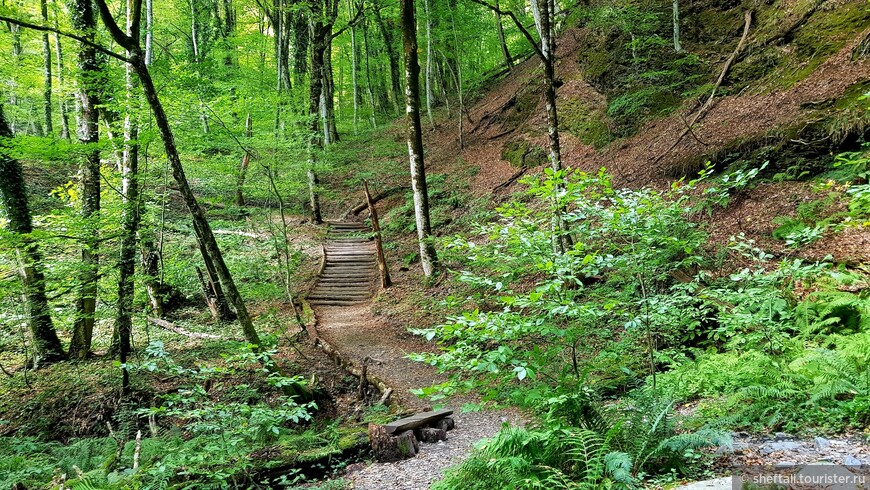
(581, 444)
(212, 431)
(637, 307)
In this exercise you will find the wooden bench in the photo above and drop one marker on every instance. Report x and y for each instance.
(399, 439)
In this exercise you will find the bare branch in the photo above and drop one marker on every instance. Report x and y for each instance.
(37, 27)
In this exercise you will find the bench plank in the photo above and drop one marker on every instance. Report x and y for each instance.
(417, 420)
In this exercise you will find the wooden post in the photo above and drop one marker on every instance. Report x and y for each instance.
(376, 227)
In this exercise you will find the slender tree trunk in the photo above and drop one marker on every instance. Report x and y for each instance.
(193, 32)
(129, 219)
(315, 142)
(676, 8)
(13, 194)
(396, 90)
(353, 75)
(371, 93)
(458, 75)
(64, 104)
(428, 258)
(430, 99)
(46, 52)
(329, 91)
(243, 168)
(149, 31)
(89, 134)
(508, 60)
(561, 239)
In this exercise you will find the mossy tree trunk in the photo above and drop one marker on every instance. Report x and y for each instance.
(89, 135)
(13, 193)
(428, 257)
(129, 219)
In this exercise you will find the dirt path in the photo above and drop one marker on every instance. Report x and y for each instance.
(341, 300)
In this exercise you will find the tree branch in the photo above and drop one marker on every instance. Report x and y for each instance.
(352, 22)
(120, 37)
(37, 27)
(519, 25)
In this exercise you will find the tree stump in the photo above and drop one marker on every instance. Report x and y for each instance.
(447, 423)
(389, 448)
(430, 434)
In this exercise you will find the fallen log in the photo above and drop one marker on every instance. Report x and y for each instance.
(364, 205)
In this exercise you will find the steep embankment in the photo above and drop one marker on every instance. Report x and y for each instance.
(792, 96)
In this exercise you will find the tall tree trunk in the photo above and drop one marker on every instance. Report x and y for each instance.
(129, 219)
(89, 134)
(149, 32)
(64, 103)
(458, 76)
(393, 59)
(301, 42)
(561, 239)
(194, 35)
(676, 10)
(315, 142)
(243, 168)
(353, 72)
(428, 258)
(508, 60)
(430, 100)
(13, 194)
(369, 76)
(329, 92)
(46, 52)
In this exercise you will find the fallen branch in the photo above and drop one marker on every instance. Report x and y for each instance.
(239, 233)
(174, 328)
(364, 205)
(747, 17)
(511, 180)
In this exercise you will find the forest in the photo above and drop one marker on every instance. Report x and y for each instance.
(447, 244)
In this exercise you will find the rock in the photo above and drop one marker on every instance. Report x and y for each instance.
(717, 484)
(821, 443)
(430, 434)
(851, 461)
(775, 447)
(785, 464)
(389, 448)
(446, 423)
(782, 436)
(733, 448)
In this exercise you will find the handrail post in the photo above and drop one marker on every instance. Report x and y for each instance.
(376, 227)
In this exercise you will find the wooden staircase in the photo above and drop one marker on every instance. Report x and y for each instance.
(349, 266)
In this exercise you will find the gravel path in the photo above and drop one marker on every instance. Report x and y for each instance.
(418, 473)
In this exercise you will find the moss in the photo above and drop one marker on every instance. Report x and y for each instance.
(521, 154)
(824, 34)
(591, 126)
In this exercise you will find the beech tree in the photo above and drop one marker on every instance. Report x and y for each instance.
(89, 135)
(13, 193)
(428, 257)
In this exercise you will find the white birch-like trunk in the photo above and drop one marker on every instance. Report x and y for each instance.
(676, 8)
(149, 31)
